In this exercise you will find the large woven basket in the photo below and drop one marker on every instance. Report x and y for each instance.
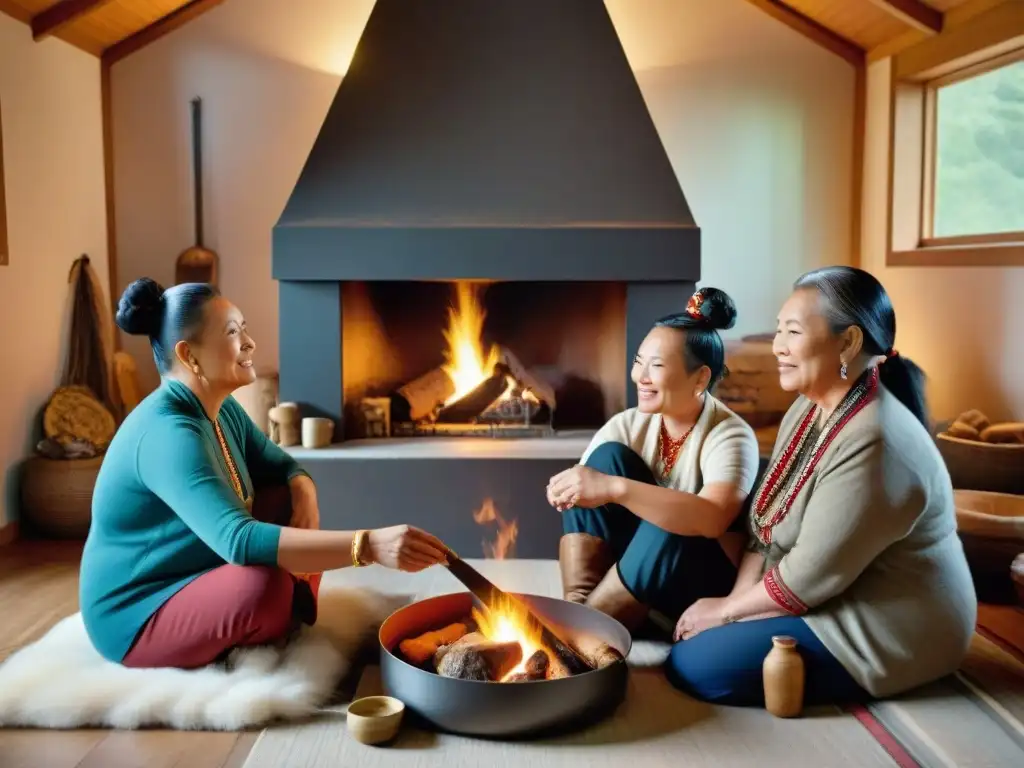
(974, 465)
(56, 495)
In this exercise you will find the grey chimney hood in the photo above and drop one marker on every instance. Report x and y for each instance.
(487, 139)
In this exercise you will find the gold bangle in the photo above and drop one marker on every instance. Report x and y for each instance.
(357, 548)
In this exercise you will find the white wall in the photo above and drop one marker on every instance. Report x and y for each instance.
(961, 325)
(53, 163)
(760, 150)
(757, 121)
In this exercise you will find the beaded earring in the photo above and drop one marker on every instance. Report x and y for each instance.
(842, 371)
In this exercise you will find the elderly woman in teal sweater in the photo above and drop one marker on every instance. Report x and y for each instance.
(205, 535)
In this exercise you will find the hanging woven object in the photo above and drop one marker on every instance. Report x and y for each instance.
(88, 362)
(78, 419)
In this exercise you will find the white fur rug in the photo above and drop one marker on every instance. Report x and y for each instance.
(60, 681)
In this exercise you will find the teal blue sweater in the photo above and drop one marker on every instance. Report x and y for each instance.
(164, 511)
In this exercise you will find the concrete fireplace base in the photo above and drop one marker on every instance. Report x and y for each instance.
(438, 483)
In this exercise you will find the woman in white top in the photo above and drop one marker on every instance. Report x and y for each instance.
(650, 515)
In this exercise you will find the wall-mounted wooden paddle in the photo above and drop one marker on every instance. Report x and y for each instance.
(197, 264)
(489, 594)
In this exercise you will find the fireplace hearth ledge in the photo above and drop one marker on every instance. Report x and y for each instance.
(567, 445)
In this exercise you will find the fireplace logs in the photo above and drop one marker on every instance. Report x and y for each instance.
(459, 650)
(510, 399)
(474, 657)
(466, 409)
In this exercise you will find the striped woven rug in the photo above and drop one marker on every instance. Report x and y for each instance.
(974, 718)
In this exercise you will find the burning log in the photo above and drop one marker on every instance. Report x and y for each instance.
(543, 391)
(421, 397)
(536, 669)
(567, 657)
(474, 657)
(601, 655)
(491, 596)
(537, 665)
(418, 649)
(468, 408)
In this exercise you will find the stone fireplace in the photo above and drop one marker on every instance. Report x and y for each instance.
(504, 147)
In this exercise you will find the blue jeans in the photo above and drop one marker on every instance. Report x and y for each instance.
(664, 571)
(723, 665)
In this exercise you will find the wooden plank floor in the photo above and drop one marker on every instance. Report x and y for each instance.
(38, 588)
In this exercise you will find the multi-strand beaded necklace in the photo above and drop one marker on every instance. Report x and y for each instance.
(796, 463)
(236, 480)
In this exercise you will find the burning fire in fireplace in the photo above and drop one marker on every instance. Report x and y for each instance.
(466, 367)
(478, 389)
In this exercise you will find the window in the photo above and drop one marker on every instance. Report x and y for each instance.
(956, 145)
(974, 161)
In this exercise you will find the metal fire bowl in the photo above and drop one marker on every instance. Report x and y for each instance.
(506, 710)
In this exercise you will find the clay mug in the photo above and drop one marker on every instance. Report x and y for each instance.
(317, 432)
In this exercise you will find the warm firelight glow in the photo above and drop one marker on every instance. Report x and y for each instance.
(508, 622)
(505, 541)
(466, 364)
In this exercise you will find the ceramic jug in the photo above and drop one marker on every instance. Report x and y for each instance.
(783, 673)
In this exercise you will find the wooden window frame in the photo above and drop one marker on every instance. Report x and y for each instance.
(5, 256)
(917, 74)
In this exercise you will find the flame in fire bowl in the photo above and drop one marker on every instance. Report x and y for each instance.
(506, 710)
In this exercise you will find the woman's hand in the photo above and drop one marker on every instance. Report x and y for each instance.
(404, 548)
(706, 613)
(580, 486)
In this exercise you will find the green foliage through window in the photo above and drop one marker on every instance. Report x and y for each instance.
(979, 165)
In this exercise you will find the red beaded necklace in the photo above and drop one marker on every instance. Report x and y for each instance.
(669, 448)
(771, 505)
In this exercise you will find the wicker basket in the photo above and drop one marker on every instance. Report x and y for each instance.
(56, 495)
(973, 465)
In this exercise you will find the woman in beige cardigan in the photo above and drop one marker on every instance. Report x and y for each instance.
(854, 548)
(647, 512)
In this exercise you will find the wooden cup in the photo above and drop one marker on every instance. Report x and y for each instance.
(374, 719)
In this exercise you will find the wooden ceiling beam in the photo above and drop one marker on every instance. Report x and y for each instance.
(812, 30)
(913, 13)
(59, 15)
(164, 26)
(15, 11)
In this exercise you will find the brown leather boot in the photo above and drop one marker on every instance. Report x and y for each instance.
(583, 560)
(611, 597)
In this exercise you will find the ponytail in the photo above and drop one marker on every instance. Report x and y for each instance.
(906, 381)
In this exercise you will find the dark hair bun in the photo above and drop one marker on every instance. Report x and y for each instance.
(140, 311)
(715, 307)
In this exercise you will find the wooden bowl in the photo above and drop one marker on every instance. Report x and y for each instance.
(991, 527)
(375, 719)
(978, 466)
